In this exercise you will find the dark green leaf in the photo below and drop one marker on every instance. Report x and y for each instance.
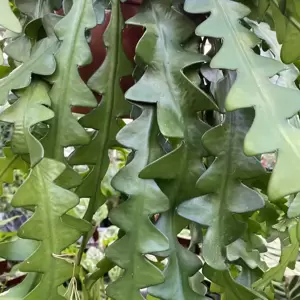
(68, 88)
(224, 194)
(231, 290)
(145, 199)
(178, 101)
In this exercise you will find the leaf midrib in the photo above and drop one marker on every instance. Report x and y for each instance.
(63, 83)
(110, 100)
(51, 237)
(174, 199)
(166, 67)
(223, 192)
(248, 69)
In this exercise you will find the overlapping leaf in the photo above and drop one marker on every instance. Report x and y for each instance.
(221, 183)
(30, 110)
(37, 8)
(287, 28)
(47, 226)
(253, 88)
(68, 88)
(105, 118)
(38, 60)
(284, 16)
(231, 290)
(8, 20)
(287, 77)
(162, 83)
(20, 291)
(289, 254)
(224, 194)
(178, 102)
(44, 197)
(243, 250)
(144, 200)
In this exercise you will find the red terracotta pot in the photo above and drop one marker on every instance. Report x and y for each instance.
(131, 36)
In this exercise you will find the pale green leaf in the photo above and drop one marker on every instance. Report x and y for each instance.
(17, 250)
(287, 77)
(40, 60)
(238, 250)
(294, 209)
(29, 110)
(47, 226)
(253, 88)
(37, 8)
(8, 20)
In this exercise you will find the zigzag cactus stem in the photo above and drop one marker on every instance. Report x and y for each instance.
(68, 88)
(42, 196)
(105, 118)
(253, 88)
(178, 102)
(133, 216)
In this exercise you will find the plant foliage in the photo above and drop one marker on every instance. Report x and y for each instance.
(193, 212)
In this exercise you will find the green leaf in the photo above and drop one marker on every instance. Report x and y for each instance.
(145, 199)
(160, 48)
(67, 5)
(178, 101)
(20, 291)
(104, 266)
(289, 254)
(8, 20)
(290, 45)
(105, 119)
(280, 21)
(248, 276)
(263, 6)
(288, 76)
(18, 250)
(8, 164)
(40, 60)
(238, 250)
(224, 194)
(37, 8)
(68, 88)
(231, 290)
(253, 88)
(40, 192)
(29, 110)
(294, 209)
